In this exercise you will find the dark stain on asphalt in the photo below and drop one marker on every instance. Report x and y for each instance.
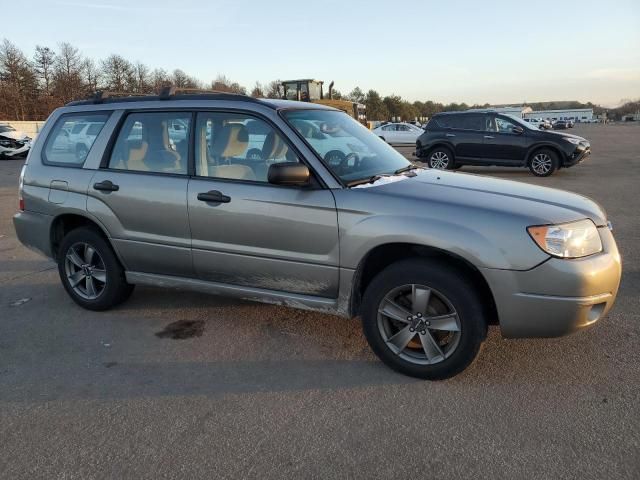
(110, 364)
(182, 329)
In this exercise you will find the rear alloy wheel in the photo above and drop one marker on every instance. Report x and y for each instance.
(543, 163)
(90, 271)
(424, 319)
(441, 159)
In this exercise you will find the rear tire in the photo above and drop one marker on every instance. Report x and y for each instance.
(453, 324)
(90, 271)
(441, 158)
(543, 162)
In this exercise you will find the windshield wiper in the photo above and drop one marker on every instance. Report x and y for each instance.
(405, 169)
(362, 181)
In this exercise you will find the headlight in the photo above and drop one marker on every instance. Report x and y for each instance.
(575, 141)
(568, 240)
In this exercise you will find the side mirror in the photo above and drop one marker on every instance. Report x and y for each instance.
(518, 129)
(289, 173)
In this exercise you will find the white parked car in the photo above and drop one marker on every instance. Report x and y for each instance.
(13, 143)
(81, 137)
(398, 133)
(331, 142)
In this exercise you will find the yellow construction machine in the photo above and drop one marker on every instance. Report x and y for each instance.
(310, 90)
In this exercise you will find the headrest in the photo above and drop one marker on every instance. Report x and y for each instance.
(274, 147)
(305, 129)
(231, 140)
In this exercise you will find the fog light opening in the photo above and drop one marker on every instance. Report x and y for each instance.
(595, 312)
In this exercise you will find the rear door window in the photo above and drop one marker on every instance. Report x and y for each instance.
(69, 143)
(153, 142)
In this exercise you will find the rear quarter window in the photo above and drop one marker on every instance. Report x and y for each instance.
(67, 145)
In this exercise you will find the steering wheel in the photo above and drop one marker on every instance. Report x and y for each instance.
(351, 160)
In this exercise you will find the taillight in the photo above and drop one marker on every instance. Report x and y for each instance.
(20, 189)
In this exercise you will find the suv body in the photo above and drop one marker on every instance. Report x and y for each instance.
(490, 138)
(427, 259)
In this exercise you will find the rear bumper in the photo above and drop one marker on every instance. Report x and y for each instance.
(559, 296)
(33, 230)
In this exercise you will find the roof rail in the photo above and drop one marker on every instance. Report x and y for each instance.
(165, 93)
(101, 95)
(170, 91)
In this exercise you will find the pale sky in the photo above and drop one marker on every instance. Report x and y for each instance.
(447, 50)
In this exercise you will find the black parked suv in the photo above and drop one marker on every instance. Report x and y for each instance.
(453, 139)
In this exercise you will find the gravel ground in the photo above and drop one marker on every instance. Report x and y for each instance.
(259, 391)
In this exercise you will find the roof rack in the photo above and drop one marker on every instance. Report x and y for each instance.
(166, 93)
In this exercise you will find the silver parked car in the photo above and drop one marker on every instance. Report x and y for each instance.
(428, 259)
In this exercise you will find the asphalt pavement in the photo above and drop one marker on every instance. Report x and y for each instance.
(243, 390)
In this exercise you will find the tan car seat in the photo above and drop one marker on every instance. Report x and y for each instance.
(160, 156)
(231, 141)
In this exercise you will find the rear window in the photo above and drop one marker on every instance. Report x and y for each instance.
(71, 151)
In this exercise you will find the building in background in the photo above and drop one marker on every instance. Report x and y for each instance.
(575, 114)
(517, 111)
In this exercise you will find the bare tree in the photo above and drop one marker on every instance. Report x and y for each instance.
(142, 78)
(68, 73)
(43, 62)
(258, 91)
(274, 89)
(18, 83)
(117, 73)
(159, 79)
(223, 84)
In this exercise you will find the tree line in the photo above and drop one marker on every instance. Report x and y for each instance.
(32, 87)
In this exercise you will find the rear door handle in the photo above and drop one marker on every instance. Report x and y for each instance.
(106, 186)
(488, 136)
(450, 135)
(213, 196)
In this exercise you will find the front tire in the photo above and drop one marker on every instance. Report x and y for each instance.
(424, 319)
(543, 162)
(90, 271)
(441, 158)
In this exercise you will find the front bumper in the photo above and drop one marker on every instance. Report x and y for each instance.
(581, 152)
(559, 296)
(15, 152)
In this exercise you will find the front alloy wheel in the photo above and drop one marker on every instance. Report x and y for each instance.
(424, 318)
(419, 324)
(543, 163)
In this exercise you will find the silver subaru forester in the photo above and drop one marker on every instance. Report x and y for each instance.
(300, 205)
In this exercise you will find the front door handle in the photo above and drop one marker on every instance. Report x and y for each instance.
(450, 135)
(213, 196)
(489, 137)
(106, 186)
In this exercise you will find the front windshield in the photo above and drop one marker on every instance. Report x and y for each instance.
(349, 149)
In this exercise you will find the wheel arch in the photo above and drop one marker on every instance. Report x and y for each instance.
(381, 256)
(544, 146)
(66, 222)
(444, 144)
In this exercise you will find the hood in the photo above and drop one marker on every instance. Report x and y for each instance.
(564, 134)
(14, 135)
(539, 205)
